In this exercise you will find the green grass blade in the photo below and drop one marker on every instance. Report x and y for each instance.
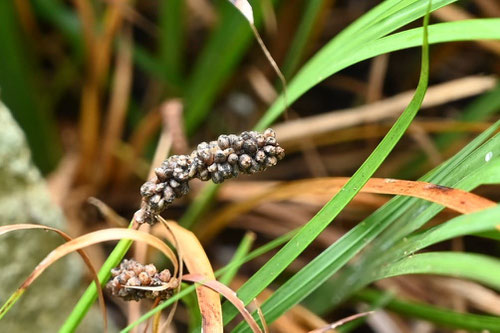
(470, 173)
(336, 256)
(482, 107)
(200, 205)
(19, 92)
(445, 32)
(323, 218)
(379, 22)
(241, 252)
(440, 316)
(13, 298)
(466, 170)
(466, 30)
(296, 51)
(365, 22)
(495, 235)
(171, 39)
(90, 295)
(322, 67)
(482, 221)
(191, 303)
(471, 266)
(222, 53)
(63, 18)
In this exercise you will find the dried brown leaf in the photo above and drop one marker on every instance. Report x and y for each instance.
(86, 259)
(197, 262)
(461, 201)
(99, 237)
(227, 293)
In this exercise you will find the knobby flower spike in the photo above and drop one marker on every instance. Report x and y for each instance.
(134, 281)
(226, 158)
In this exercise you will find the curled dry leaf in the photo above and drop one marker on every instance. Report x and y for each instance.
(99, 237)
(197, 262)
(170, 317)
(109, 214)
(227, 293)
(261, 315)
(459, 200)
(25, 285)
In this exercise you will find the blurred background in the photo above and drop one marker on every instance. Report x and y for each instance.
(95, 84)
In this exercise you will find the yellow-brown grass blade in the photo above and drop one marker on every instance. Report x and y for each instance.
(86, 259)
(197, 262)
(227, 293)
(461, 201)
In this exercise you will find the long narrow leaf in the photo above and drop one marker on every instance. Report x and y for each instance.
(19, 92)
(444, 32)
(324, 67)
(458, 200)
(10, 302)
(311, 12)
(241, 252)
(440, 316)
(197, 262)
(480, 108)
(90, 295)
(172, 39)
(482, 221)
(471, 266)
(397, 219)
(318, 223)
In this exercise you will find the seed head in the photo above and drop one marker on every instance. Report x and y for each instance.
(225, 158)
(132, 274)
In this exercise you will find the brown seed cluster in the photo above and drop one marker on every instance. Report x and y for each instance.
(132, 274)
(230, 155)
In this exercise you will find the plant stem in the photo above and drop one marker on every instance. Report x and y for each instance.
(90, 295)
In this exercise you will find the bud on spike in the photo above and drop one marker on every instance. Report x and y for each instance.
(222, 159)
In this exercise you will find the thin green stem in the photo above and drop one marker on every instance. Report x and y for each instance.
(10, 302)
(239, 255)
(90, 295)
(274, 267)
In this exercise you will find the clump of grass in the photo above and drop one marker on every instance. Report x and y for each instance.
(386, 243)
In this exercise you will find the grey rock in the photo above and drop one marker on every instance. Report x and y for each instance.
(24, 198)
